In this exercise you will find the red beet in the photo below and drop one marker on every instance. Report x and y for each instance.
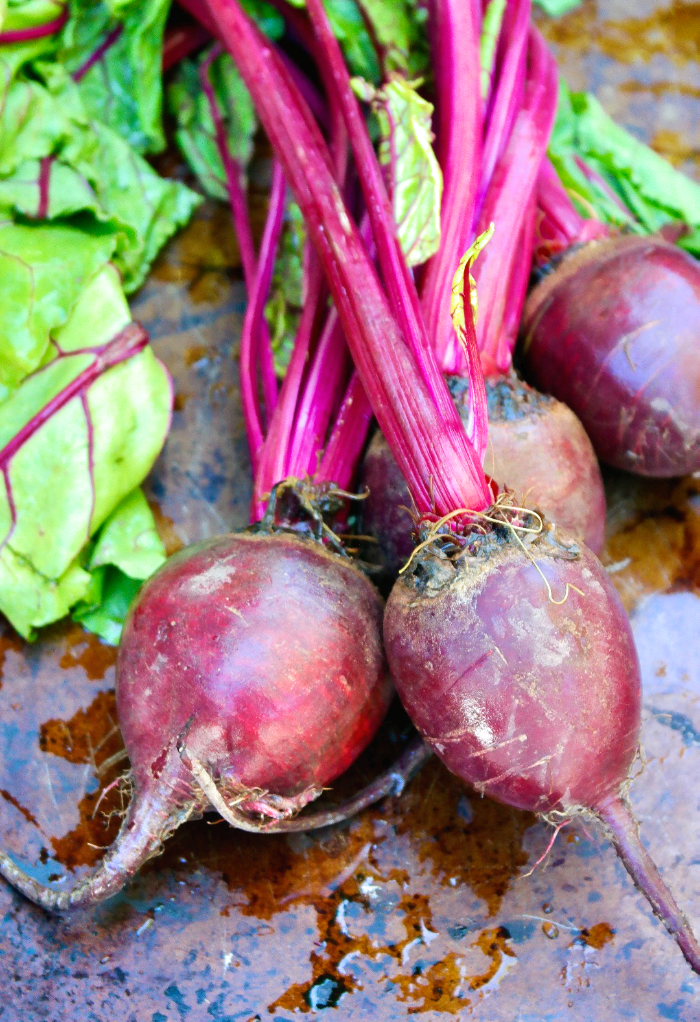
(537, 708)
(614, 332)
(537, 448)
(250, 675)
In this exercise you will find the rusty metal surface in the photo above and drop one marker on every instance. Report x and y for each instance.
(422, 906)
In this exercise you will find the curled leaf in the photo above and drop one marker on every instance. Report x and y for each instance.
(463, 281)
(465, 327)
(413, 172)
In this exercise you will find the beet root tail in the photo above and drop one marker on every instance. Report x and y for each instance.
(142, 832)
(624, 833)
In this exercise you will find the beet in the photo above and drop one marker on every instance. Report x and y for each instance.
(250, 675)
(537, 707)
(537, 447)
(613, 332)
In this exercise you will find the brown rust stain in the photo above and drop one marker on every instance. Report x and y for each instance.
(85, 844)
(655, 541)
(166, 529)
(87, 651)
(596, 936)
(180, 401)
(668, 30)
(671, 146)
(445, 984)
(29, 817)
(484, 851)
(195, 353)
(90, 736)
(9, 642)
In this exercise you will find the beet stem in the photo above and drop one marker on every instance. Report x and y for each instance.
(624, 834)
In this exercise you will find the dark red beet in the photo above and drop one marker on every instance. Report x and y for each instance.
(250, 675)
(538, 708)
(614, 332)
(537, 448)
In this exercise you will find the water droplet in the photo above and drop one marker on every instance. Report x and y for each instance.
(547, 908)
(550, 930)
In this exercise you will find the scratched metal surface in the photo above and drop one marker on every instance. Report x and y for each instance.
(421, 906)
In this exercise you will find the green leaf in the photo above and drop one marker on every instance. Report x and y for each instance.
(106, 612)
(128, 550)
(129, 539)
(400, 29)
(123, 88)
(405, 150)
(196, 135)
(95, 176)
(268, 19)
(555, 8)
(76, 438)
(652, 190)
(21, 15)
(43, 270)
(29, 600)
(143, 207)
(283, 310)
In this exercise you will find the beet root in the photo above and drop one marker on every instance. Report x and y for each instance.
(527, 690)
(614, 332)
(250, 675)
(537, 448)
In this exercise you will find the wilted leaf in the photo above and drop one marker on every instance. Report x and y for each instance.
(413, 171)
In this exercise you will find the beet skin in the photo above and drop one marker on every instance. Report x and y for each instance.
(250, 675)
(529, 690)
(537, 448)
(614, 332)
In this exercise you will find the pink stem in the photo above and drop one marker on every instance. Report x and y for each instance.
(456, 60)
(232, 169)
(42, 210)
(561, 226)
(199, 10)
(181, 42)
(321, 396)
(253, 320)
(109, 41)
(347, 440)
(508, 202)
(127, 343)
(241, 223)
(399, 283)
(508, 96)
(594, 177)
(275, 460)
(439, 464)
(26, 35)
(517, 293)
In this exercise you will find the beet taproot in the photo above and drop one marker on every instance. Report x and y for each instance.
(250, 675)
(515, 661)
(614, 332)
